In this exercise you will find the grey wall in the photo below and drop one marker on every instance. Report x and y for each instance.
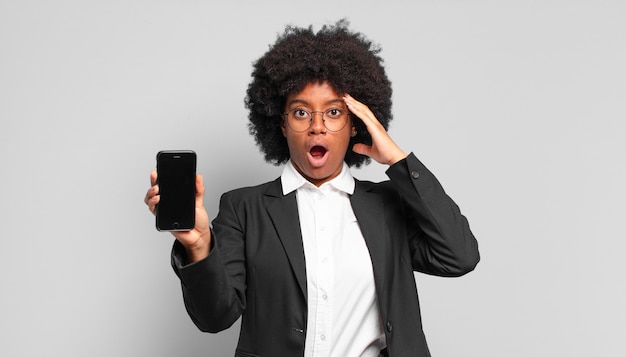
(517, 106)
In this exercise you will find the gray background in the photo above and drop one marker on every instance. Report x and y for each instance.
(517, 106)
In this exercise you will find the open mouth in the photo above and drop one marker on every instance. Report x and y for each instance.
(318, 151)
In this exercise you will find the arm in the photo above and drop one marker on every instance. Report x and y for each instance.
(213, 299)
(214, 287)
(440, 240)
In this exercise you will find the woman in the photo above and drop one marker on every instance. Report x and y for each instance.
(317, 263)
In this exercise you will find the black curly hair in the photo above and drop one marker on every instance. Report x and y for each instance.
(347, 60)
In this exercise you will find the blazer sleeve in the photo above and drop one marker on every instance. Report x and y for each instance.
(440, 239)
(214, 288)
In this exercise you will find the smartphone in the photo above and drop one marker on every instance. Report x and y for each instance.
(176, 177)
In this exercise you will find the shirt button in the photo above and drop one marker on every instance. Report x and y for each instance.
(323, 337)
(415, 174)
(389, 326)
(325, 297)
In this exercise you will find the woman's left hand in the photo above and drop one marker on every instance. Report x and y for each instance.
(383, 150)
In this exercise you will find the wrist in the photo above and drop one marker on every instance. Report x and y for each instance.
(397, 157)
(198, 250)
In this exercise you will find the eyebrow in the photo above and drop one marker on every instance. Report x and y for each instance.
(304, 102)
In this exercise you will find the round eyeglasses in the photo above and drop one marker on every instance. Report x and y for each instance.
(300, 120)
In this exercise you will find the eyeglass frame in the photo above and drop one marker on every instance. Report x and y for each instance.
(311, 112)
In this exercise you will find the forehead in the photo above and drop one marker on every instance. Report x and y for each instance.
(315, 93)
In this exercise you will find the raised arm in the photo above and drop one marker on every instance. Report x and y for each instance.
(441, 242)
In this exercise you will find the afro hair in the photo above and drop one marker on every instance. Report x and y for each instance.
(347, 60)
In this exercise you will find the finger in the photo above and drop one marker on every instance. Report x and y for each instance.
(152, 191)
(355, 107)
(384, 150)
(199, 191)
(153, 178)
(362, 111)
(152, 203)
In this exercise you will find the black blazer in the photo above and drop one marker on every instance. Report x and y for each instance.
(256, 268)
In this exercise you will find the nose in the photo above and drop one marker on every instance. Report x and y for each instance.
(317, 126)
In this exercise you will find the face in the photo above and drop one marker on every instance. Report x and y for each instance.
(317, 153)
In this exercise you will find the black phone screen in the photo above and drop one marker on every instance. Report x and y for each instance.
(176, 178)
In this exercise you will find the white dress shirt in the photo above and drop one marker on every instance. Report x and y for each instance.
(343, 314)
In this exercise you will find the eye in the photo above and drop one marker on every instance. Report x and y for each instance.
(300, 114)
(334, 113)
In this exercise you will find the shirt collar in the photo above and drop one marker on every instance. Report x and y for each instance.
(292, 180)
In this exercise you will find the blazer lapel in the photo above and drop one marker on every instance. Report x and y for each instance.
(370, 214)
(283, 211)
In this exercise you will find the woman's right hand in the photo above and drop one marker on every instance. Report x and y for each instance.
(197, 242)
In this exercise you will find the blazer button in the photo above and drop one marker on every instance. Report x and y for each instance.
(389, 326)
(415, 174)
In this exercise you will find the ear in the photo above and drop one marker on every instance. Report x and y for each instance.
(283, 128)
(353, 131)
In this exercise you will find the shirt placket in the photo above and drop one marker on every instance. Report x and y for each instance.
(325, 276)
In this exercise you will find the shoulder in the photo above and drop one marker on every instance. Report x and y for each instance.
(384, 188)
(250, 192)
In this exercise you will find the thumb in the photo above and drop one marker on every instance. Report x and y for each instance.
(362, 149)
(199, 191)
